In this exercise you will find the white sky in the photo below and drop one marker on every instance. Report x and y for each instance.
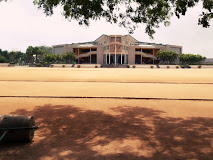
(22, 25)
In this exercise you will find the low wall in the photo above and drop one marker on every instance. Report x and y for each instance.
(75, 66)
(4, 64)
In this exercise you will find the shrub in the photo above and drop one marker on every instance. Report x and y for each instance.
(38, 64)
(177, 67)
(151, 66)
(134, 66)
(199, 66)
(78, 66)
(167, 67)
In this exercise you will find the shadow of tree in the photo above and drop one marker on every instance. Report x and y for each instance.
(67, 132)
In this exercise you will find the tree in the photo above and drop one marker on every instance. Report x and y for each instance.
(127, 13)
(58, 57)
(46, 49)
(2, 59)
(69, 57)
(30, 52)
(191, 58)
(167, 56)
(49, 58)
(4, 54)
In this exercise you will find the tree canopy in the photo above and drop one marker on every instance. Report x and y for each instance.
(167, 56)
(127, 13)
(191, 58)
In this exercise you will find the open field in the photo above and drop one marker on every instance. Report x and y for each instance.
(171, 119)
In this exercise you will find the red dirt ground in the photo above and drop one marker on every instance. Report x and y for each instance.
(81, 128)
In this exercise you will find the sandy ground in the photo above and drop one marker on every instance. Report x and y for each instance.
(107, 128)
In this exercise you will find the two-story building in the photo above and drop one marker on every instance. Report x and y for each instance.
(115, 49)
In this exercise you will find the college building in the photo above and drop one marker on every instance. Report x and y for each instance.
(115, 49)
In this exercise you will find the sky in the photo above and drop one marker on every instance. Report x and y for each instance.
(23, 24)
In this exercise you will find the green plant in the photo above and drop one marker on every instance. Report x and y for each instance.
(128, 66)
(38, 64)
(177, 67)
(151, 66)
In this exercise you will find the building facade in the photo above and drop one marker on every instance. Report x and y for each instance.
(115, 49)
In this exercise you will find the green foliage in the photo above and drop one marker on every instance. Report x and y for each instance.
(50, 58)
(12, 57)
(45, 49)
(2, 59)
(38, 65)
(38, 52)
(191, 58)
(69, 57)
(127, 13)
(167, 56)
(58, 57)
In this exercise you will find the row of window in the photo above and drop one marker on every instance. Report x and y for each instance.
(143, 50)
(118, 46)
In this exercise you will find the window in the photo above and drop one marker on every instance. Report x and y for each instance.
(147, 50)
(118, 39)
(112, 39)
(138, 49)
(93, 49)
(85, 50)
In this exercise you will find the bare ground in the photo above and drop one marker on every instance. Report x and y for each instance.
(94, 128)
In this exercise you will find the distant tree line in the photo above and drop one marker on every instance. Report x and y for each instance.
(170, 57)
(39, 55)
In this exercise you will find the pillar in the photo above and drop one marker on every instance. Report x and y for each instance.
(109, 57)
(153, 55)
(78, 55)
(121, 58)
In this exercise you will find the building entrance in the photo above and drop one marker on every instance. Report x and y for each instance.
(116, 59)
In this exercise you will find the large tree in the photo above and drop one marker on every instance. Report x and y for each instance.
(127, 13)
(167, 56)
(191, 58)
